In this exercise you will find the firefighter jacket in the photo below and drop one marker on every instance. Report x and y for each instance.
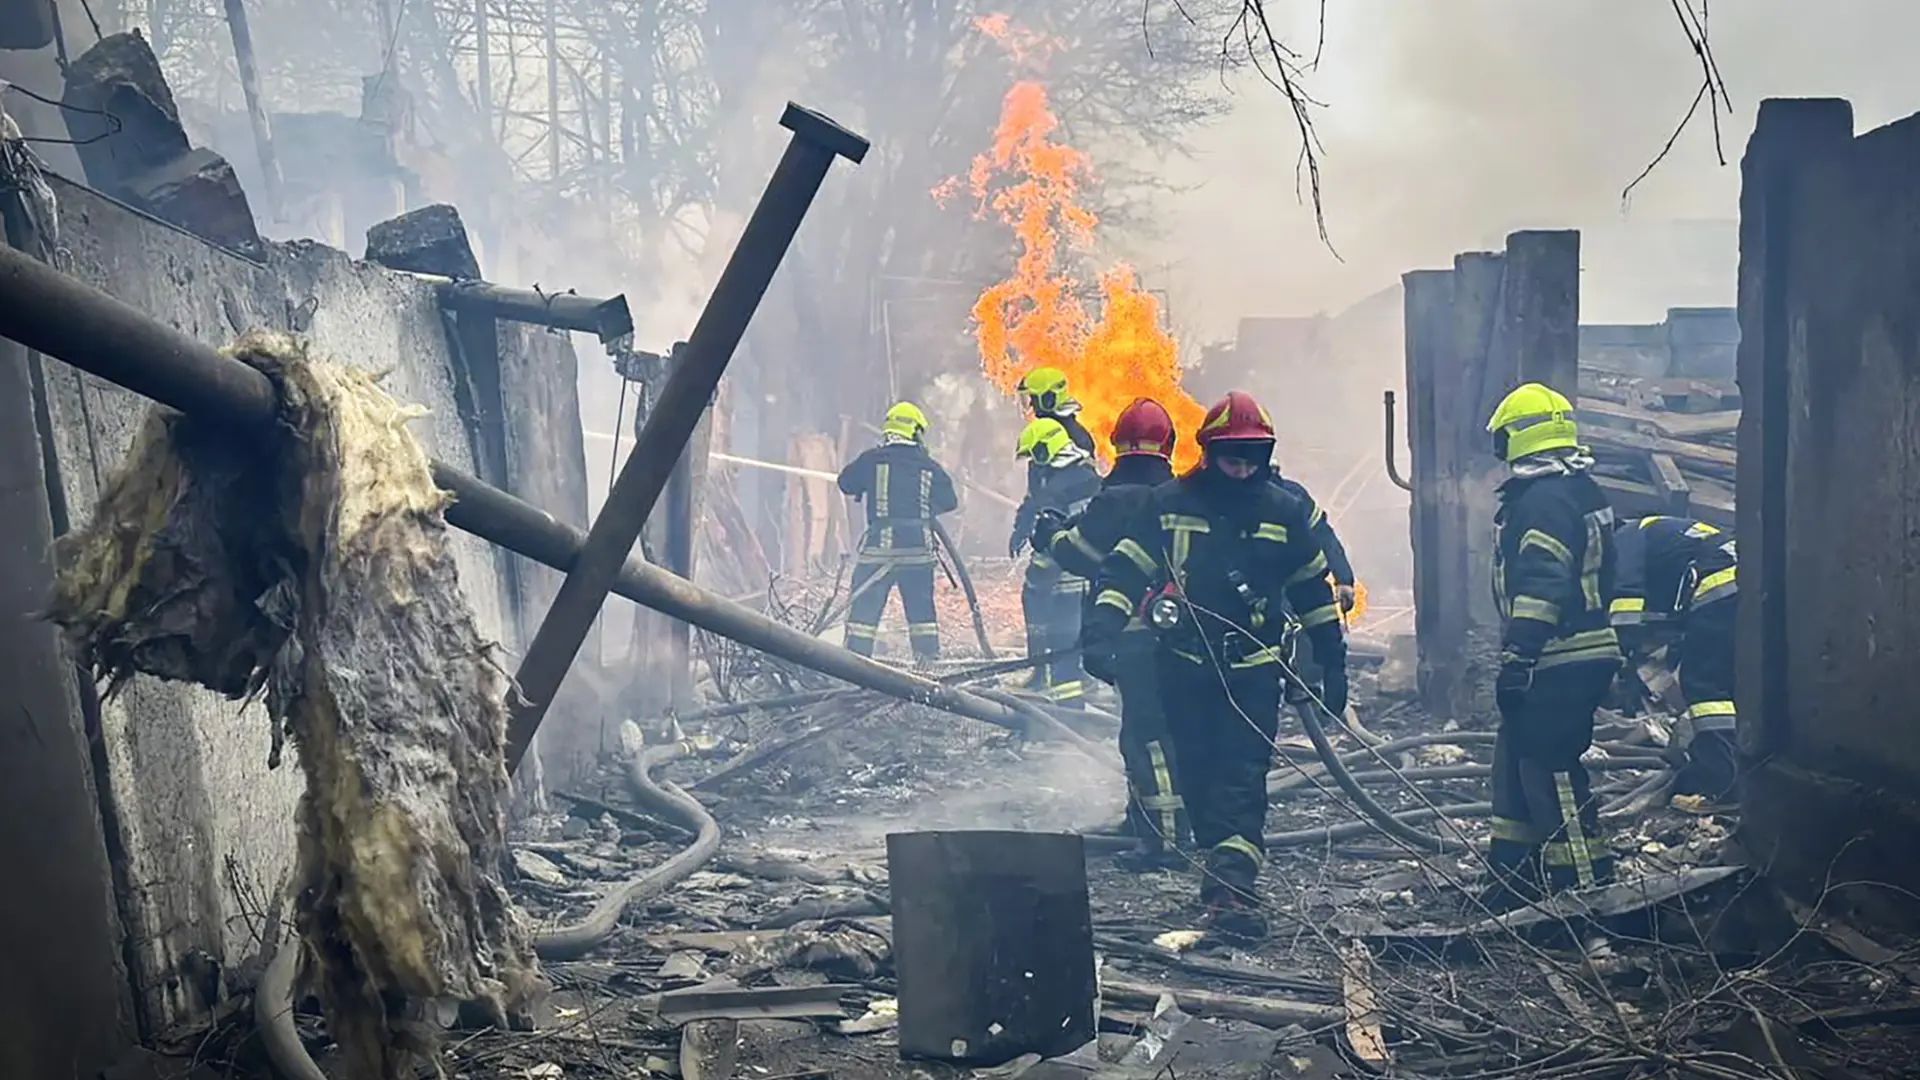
(1237, 556)
(1337, 562)
(1063, 489)
(903, 489)
(1668, 566)
(1553, 566)
(1087, 539)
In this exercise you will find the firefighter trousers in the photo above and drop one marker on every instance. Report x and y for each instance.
(1546, 824)
(874, 579)
(1156, 813)
(1709, 736)
(1050, 601)
(1223, 723)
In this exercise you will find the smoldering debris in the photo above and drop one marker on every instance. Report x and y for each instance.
(311, 562)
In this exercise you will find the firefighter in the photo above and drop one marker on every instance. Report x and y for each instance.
(1553, 570)
(1222, 565)
(1044, 391)
(1050, 598)
(1337, 562)
(903, 489)
(1142, 442)
(1676, 581)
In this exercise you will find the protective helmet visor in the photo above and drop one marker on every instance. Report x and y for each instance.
(1502, 439)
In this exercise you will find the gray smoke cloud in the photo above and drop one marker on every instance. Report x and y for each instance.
(1449, 125)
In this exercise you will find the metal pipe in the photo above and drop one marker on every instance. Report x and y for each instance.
(816, 142)
(609, 320)
(73, 322)
(249, 70)
(1393, 470)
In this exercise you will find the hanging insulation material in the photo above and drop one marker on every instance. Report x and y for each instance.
(311, 562)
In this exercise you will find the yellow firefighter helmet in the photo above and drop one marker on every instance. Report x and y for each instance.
(1534, 418)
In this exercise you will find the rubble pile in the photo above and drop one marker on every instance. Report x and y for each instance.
(295, 562)
(1664, 445)
(775, 960)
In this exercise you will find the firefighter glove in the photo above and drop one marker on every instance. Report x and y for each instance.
(1098, 661)
(1510, 687)
(1014, 544)
(1348, 597)
(1046, 525)
(1333, 692)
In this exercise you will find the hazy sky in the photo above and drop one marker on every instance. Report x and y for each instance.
(1450, 123)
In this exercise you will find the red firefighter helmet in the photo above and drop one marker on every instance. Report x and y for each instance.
(1237, 416)
(1143, 427)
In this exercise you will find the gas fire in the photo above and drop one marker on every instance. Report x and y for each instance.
(1035, 317)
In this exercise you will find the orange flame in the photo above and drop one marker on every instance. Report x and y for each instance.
(1034, 318)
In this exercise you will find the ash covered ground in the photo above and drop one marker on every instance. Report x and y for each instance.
(1699, 971)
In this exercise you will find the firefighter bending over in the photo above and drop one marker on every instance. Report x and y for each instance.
(1215, 561)
(904, 489)
(1061, 481)
(1676, 583)
(1553, 569)
(1143, 447)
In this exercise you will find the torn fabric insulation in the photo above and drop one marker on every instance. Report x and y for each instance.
(313, 562)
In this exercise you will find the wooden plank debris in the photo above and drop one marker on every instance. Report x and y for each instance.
(1363, 1007)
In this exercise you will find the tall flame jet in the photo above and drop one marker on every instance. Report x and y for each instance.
(1034, 318)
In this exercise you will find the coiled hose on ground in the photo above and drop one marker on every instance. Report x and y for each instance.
(273, 998)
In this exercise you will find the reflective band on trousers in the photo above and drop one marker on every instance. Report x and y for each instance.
(1243, 846)
(1576, 845)
(1712, 716)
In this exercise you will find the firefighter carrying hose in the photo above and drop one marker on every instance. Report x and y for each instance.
(1676, 583)
(1222, 565)
(1143, 447)
(1553, 570)
(1050, 598)
(903, 489)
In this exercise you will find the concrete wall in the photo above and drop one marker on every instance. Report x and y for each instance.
(1829, 502)
(206, 829)
(1692, 343)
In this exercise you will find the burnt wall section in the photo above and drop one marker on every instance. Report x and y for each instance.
(64, 1006)
(1829, 502)
(206, 829)
(1472, 334)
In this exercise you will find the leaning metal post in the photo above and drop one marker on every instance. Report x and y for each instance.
(690, 386)
(73, 322)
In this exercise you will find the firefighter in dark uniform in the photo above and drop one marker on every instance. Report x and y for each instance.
(1553, 572)
(1676, 583)
(1223, 566)
(903, 489)
(1142, 442)
(1050, 598)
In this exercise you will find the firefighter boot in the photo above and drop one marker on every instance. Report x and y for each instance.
(1515, 880)
(1226, 891)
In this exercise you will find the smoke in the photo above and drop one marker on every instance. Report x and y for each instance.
(1449, 125)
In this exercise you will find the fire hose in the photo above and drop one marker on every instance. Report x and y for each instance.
(966, 585)
(273, 997)
(575, 939)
